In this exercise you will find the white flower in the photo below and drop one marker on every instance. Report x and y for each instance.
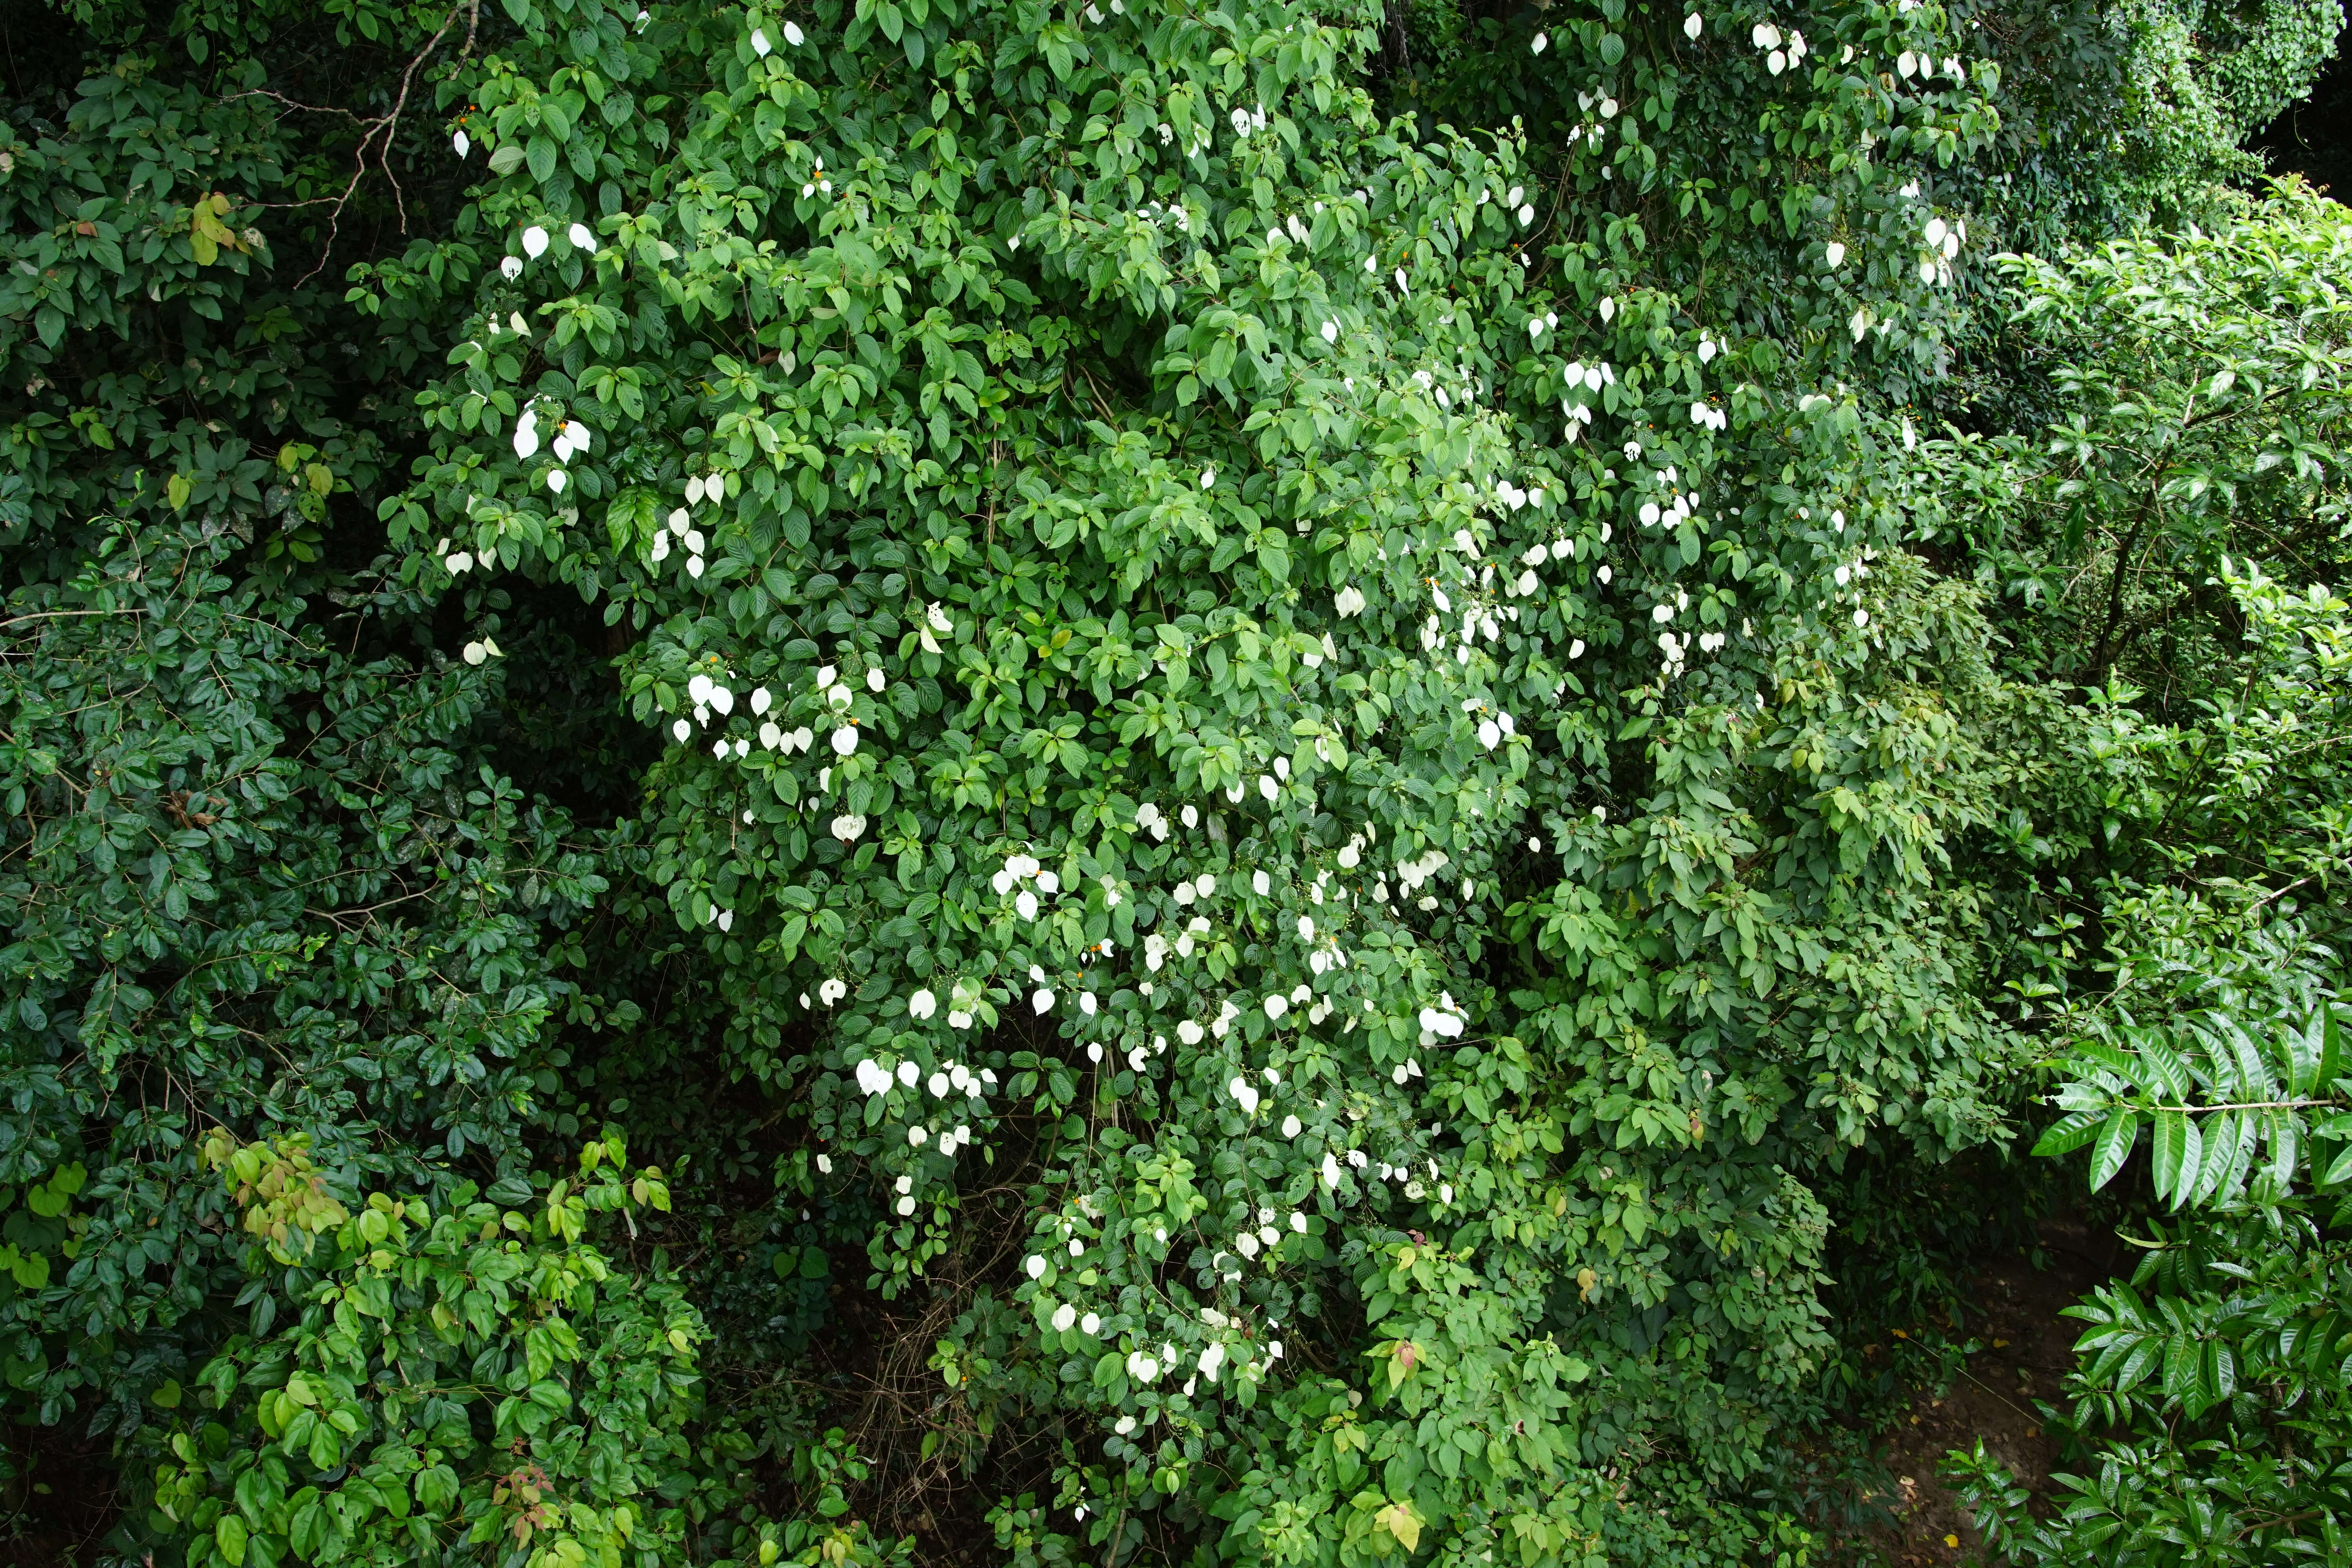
(1141, 1367)
(1025, 905)
(1087, 1006)
(1064, 1316)
(873, 680)
(580, 238)
(848, 826)
(681, 730)
(832, 991)
(534, 242)
(1090, 1324)
(1042, 1000)
(792, 35)
(511, 267)
(1538, 46)
(1189, 1032)
(1861, 619)
(526, 435)
(1213, 1355)
(1608, 310)
(1489, 735)
(1276, 1007)
(1330, 331)
(1834, 254)
(1527, 214)
(845, 739)
(1691, 25)
(1244, 1092)
(922, 1005)
(1209, 475)
(1035, 1266)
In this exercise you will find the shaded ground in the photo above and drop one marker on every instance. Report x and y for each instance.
(2026, 1348)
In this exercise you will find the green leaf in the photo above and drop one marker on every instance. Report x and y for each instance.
(2168, 1138)
(2069, 1132)
(508, 158)
(2113, 1146)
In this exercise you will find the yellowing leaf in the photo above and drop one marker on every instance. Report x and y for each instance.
(1401, 1521)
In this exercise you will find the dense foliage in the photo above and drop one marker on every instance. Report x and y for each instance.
(1132, 782)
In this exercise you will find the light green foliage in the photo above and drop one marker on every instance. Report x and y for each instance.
(2211, 1391)
(1223, 711)
(475, 1378)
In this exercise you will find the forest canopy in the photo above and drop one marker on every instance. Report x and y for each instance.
(1130, 783)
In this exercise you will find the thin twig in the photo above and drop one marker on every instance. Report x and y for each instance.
(389, 125)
